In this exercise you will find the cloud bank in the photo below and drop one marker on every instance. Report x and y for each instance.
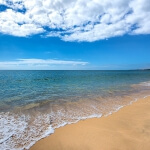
(75, 20)
(36, 64)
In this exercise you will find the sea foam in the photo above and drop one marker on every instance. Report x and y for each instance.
(17, 132)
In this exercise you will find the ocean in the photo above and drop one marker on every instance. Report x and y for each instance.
(34, 103)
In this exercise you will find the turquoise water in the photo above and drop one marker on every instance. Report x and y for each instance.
(19, 88)
(34, 103)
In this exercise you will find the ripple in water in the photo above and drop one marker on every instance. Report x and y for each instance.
(34, 103)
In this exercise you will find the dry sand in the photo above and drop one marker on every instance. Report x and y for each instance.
(127, 129)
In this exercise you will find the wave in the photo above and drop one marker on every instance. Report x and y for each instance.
(145, 83)
(20, 131)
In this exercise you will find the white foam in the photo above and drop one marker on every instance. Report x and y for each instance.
(49, 131)
(145, 83)
(117, 108)
(146, 96)
(61, 125)
(9, 127)
(18, 132)
(91, 116)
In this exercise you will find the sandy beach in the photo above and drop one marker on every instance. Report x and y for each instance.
(127, 129)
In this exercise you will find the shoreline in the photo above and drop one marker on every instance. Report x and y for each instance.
(125, 129)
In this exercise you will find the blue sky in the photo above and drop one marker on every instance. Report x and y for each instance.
(127, 52)
(76, 35)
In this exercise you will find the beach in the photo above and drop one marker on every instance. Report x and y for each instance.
(62, 105)
(126, 129)
(74, 75)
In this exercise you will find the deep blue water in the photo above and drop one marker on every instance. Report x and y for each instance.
(19, 88)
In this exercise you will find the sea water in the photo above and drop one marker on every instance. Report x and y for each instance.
(34, 103)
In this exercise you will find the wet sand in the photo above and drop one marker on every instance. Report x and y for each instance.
(127, 129)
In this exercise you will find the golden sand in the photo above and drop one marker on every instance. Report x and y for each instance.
(127, 129)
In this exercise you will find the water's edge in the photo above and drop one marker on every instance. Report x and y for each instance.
(50, 130)
(90, 117)
(34, 104)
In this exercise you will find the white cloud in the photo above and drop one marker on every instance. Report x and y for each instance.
(75, 20)
(41, 64)
(18, 24)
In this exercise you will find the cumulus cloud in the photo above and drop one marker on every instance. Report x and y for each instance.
(75, 20)
(40, 64)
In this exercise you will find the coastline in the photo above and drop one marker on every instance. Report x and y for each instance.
(125, 129)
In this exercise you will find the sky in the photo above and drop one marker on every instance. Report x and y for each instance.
(74, 34)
